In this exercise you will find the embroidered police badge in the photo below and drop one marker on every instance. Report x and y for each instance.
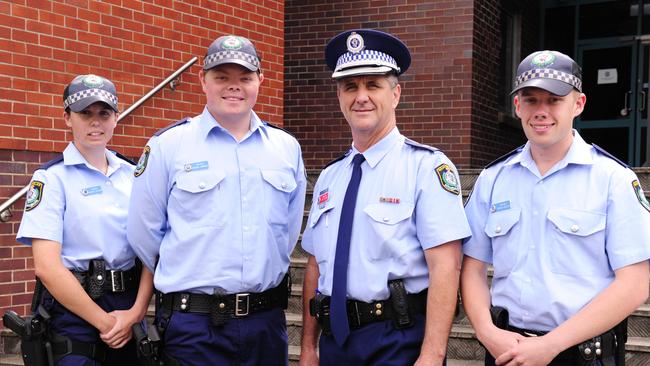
(93, 81)
(232, 43)
(34, 195)
(640, 195)
(447, 178)
(543, 59)
(142, 162)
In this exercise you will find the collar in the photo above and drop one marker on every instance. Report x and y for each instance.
(377, 151)
(579, 153)
(207, 123)
(72, 156)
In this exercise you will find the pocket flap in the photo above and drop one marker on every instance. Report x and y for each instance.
(577, 222)
(499, 223)
(317, 213)
(199, 180)
(389, 214)
(282, 181)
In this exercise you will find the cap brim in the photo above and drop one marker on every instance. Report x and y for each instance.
(552, 86)
(247, 65)
(84, 103)
(362, 70)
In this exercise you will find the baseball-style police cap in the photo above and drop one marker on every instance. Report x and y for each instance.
(552, 71)
(366, 52)
(85, 90)
(232, 50)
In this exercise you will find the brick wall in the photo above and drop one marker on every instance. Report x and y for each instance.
(435, 107)
(136, 44)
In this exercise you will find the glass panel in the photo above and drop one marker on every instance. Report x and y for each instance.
(614, 140)
(559, 26)
(606, 82)
(608, 19)
(646, 18)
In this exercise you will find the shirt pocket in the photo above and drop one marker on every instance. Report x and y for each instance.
(196, 195)
(577, 241)
(391, 227)
(323, 234)
(503, 229)
(277, 193)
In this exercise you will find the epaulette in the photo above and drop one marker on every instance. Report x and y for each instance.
(504, 157)
(52, 162)
(337, 159)
(123, 157)
(418, 145)
(604, 152)
(177, 123)
(266, 123)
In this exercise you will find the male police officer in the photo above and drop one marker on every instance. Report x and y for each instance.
(386, 223)
(217, 207)
(567, 229)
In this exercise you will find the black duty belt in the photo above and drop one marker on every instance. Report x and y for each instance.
(593, 349)
(361, 313)
(108, 280)
(231, 306)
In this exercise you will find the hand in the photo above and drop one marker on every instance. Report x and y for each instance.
(497, 341)
(530, 351)
(308, 357)
(121, 332)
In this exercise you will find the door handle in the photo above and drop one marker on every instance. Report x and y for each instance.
(642, 94)
(626, 106)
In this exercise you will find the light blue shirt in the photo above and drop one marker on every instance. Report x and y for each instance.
(555, 241)
(401, 210)
(83, 210)
(223, 216)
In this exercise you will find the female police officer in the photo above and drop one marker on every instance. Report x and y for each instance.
(75, 221)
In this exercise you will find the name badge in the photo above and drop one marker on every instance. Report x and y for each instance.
(199, 165)
(501, 206)
(89, 191)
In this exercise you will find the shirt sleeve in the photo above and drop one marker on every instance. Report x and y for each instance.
(147, 220)
(297, 203)
(479, 245)
(44, 209)
(440, 217)
(628, 221)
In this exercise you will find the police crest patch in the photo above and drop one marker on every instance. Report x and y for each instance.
(142, 162)
(640, 195)
(34, 195)
(447, 178)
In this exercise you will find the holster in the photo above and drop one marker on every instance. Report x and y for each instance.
(32, 329)
(500, 317)
(398, 297)
(620, 332)
(96, 278)
(319, 307)
(149, 345)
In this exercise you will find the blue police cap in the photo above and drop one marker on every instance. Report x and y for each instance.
(85, 90)
(232, 50)
(552, 71)
(366, 52)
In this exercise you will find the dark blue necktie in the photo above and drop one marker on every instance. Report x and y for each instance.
(338, 311)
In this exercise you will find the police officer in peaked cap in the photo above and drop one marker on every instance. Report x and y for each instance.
(89, 288)
(385, 226)
(217, 206)
(566, 227)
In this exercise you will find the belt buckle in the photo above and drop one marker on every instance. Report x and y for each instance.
(239, 298)
(117, 281)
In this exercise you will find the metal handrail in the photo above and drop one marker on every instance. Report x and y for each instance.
(5, 208)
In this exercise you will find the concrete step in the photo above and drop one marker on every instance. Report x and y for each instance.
(11, 360)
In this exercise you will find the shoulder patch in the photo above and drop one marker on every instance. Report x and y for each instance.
(177, 123)
(142, 162)
(337, 159)
(123, 157)
(448, 179)
(34, 195)
(52, 162)
(604, 152)
(505, 156)
(418, 145)
(640, 195)
(266, 123)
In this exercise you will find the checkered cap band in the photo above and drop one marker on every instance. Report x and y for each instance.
(365, 58)
(89, 93)
(231, 55)
(549, 74)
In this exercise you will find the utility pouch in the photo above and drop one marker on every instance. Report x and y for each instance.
(620, 334)
(500, 317)
(399, 300)
(36, 349)
(319, 308)
(96, 278)
(219, 315)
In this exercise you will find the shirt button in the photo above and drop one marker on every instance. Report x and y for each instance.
(385, 219)
(575, 228)
(245, 228)
(202, 185)
(108, 183)
(497, 229)
(284, 185)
